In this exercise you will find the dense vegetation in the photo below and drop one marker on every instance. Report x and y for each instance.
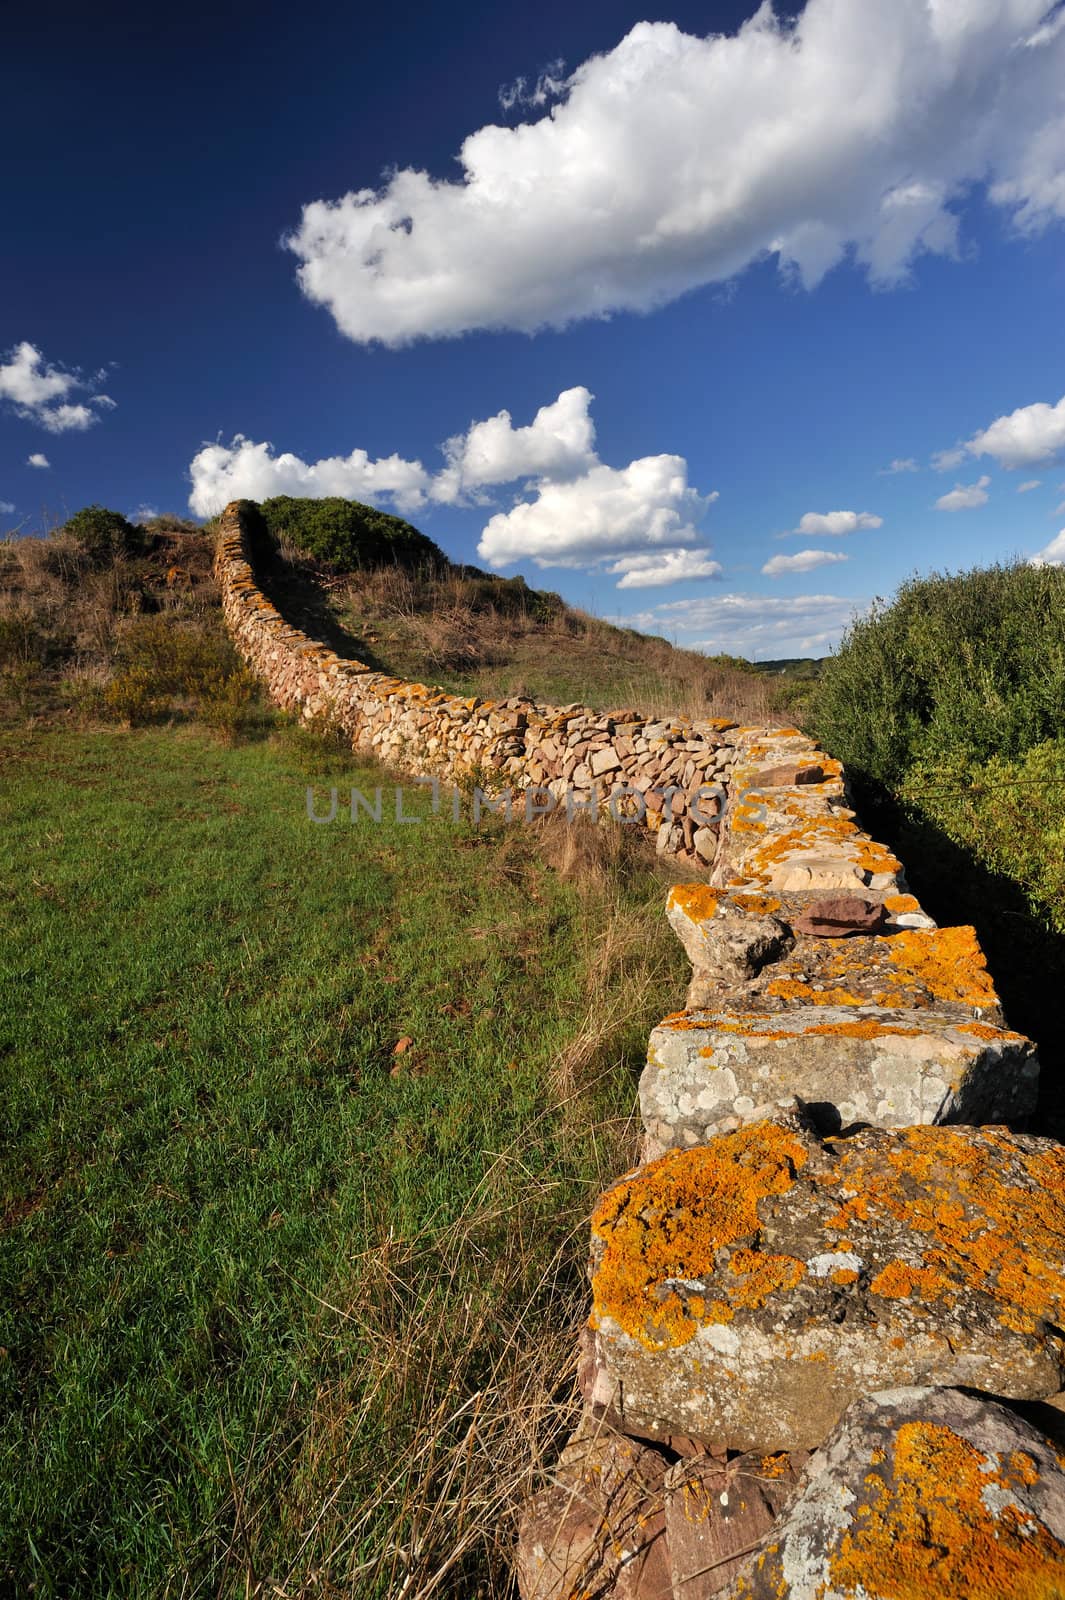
(345, 534)
(948, 708)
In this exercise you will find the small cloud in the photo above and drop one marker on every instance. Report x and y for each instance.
(143, 514)
(965, 496)
(37, 460)
(38, 392)
(836, 524)
(550, 85)
(1053, 555)
(656, 568)
(1029, 485)
(6, 508)
(908, 464)
(947, 460)
(1025, 438)
(802, 561)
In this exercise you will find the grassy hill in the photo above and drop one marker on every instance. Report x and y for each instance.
(133, 630)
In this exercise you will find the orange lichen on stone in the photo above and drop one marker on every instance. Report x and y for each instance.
(984, 1232)
(697, 900)
(927, 1533)
(759, 905)
(662, 1228)
(763, 1275)
(900, 903)
(864, 1028)
(844, 1275)
(796, 989)
(821, 832)
(774, 1466)
(899, 1281)
(948, 962)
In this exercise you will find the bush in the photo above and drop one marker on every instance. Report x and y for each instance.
(958, 667)
(161, 663)
(347, 535)
(101, 535)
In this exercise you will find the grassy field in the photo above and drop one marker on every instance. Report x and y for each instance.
(283, 1298)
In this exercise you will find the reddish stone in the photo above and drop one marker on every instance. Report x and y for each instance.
(840, 915)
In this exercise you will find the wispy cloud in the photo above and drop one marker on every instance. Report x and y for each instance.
(965, 497)
(900, 464)
(752, 625)
(802, 561)
(1029, 484)
(37, 391)
(835, 524)
(37, 459)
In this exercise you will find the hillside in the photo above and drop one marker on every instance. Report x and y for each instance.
(84, 626)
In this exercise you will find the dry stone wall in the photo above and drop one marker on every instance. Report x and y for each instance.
(838, 1230)
(667, 775)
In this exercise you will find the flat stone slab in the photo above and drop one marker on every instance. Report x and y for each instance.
(745, 1292)
(600, 1527)
(919, 1494)
(715, 1512)
(710, 1071)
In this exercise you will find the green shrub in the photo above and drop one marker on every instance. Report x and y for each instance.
(161, 663)
(965, 667)
(347, 535)
(101, 535)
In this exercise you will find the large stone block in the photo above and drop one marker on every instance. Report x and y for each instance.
(710, 1071)
(920, 1494)
(745, 1292)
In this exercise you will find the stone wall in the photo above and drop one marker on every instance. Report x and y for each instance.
(823, 1246)
(668, 774)
(828, 1305)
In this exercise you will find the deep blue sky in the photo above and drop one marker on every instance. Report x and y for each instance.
(152, 163)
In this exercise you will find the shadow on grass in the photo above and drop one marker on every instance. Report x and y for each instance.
(1026, 958)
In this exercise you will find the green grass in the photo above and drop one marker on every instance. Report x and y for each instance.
(281, 1310)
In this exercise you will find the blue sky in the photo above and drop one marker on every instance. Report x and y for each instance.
(720, 270)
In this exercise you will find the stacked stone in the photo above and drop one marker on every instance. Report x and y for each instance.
(663, 774)
(823, 1247)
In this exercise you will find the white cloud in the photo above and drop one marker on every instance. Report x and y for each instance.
(37, 391)
(836, 524)
(655, 569)
(245, 469)
(965, 496)
(1024, 438)
(802, 561)
(900, 464)
(1059, 511)
(6, 508)
(752, 625)
(582, 512)
(558, 443)
(672, 161)
(1053, 555)
(38, 460)
(1029, 484)
(947, 460)
(599, 516)
(143, 514)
